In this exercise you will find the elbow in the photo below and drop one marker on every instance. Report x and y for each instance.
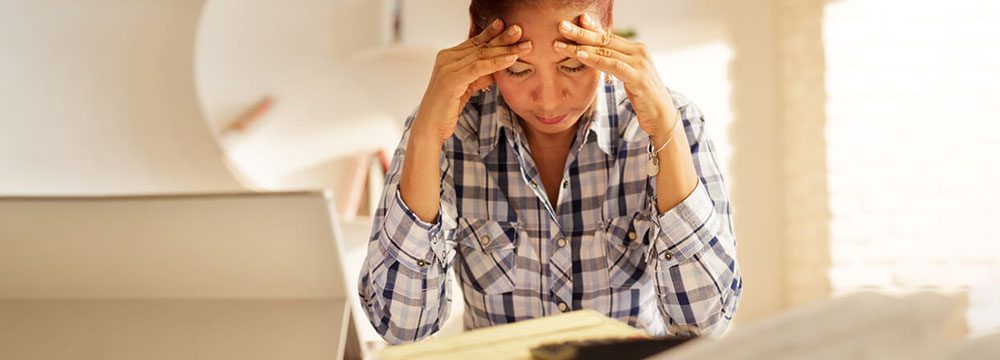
(713, 319)
(712, 325)
(401, 329)
(398, 317)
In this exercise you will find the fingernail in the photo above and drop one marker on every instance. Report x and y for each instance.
(565, 25)
(582, 55)
(510, 58)
(496, 24)
(525, 45)
(560, 45)
(512, 31)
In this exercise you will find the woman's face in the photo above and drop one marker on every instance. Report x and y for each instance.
(547, 90)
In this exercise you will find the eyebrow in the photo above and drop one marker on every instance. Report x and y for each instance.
(563, 59)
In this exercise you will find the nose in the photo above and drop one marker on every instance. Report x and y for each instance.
(550, 91)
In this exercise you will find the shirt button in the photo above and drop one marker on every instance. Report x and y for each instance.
(565, 184)
(485, 240)
(668, 256)
(421, 263)
(561, 242)
(563, 307)
(534, 184)
(632, 235)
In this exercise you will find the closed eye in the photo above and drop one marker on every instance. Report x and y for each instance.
(573, 69)
(518, 74)
(526, 72)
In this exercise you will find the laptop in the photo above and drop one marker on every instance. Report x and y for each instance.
(203, 276)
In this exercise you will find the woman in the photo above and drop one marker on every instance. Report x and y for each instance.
(549, 166)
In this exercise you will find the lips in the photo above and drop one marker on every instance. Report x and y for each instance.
(551, 120)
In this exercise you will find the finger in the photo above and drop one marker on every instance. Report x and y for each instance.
(595, 38)
(512, 35)
(490, 32)
(571, 50)
(482, 82)
(588, 23)
(466, 95)
(610, 65)
(485, 67)
(486, 52)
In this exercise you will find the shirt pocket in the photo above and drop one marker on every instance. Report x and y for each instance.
(489, 254)
(627, 239)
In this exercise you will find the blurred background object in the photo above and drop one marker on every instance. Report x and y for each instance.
(860, 137)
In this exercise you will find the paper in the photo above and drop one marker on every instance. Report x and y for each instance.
(514, 341)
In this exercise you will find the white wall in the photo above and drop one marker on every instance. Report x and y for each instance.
(334, 78)
(98, 96)
(126, 115)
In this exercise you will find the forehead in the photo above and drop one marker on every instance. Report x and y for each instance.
(540, 25)
(540, 21)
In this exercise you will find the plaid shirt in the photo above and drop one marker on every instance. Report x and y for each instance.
(602, 246)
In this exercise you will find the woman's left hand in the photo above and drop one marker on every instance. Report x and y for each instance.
(628, 61)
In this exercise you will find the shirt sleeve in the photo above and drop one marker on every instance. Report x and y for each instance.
(404, 284)
(698, 280)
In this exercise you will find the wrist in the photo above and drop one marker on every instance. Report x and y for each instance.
(424, 134)
(670, 126)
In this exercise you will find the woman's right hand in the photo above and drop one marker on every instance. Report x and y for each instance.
(459, 72)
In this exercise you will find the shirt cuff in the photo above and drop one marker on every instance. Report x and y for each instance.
(685, 229)
(415, 243)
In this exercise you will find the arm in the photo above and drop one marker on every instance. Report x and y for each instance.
(403, 285)
(698, 279)
(693, 255)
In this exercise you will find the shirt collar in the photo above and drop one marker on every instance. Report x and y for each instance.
(601, 124)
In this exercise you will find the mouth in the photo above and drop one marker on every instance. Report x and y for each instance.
(550, 121)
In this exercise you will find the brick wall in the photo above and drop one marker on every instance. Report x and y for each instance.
(803, 156)
(913, 144)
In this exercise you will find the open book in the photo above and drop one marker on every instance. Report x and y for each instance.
(514, 341)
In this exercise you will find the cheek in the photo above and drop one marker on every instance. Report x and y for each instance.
(586, 86)
(512, 90)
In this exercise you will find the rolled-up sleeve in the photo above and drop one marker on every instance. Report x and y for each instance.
(403, 284)
(698, 279)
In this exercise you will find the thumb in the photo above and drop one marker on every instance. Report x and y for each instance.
(482, 82)
(479, 84)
